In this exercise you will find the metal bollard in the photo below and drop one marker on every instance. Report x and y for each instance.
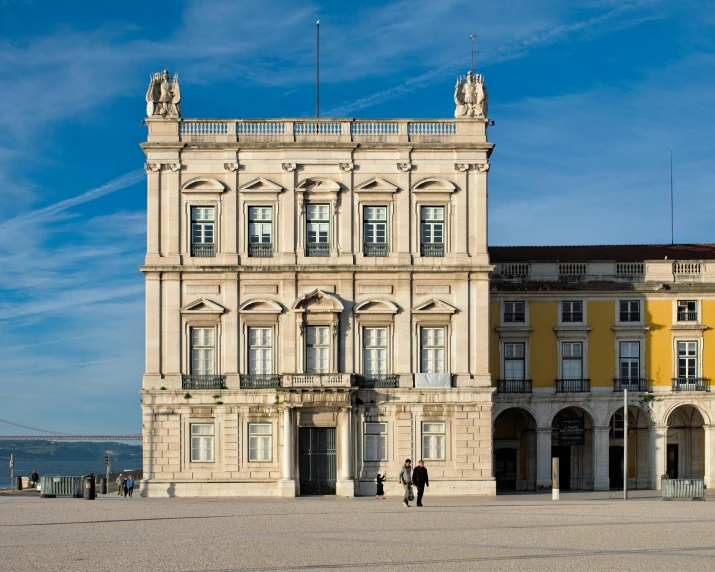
(555, 478)
(89, 488)
(102, 486)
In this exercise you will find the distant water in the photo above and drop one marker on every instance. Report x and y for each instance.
(53, 467)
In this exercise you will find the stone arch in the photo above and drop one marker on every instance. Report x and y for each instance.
(500, 408)
(318, 185)
(672, 407)
(203, 185)
(646, 411)
(375, 306)
(586, 408)
(434, 185)
(260, 306)
(514, 439)
(686, 442)
(317, 301)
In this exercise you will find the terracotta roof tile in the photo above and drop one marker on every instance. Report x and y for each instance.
(605, 252)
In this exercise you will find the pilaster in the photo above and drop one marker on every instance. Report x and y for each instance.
(658, 437)
(543, 458)
(601, 481)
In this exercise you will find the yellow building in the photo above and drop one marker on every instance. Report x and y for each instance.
(572, 327)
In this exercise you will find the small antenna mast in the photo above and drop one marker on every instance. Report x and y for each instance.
(672, 227)
(317, 69)
(473, 37)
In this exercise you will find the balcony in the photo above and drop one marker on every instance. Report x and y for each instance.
(691, 384)
(203, 381)
(203, 250)
(630, 317)
(512, 317)
(432, 249)
(569, 317)
(260, 250)
(513, 386)
(573, 385)
(260, 381)
(631, 384)
(375, 249)
(317, 380)
(687, 316)
(377, 381)
(317, 249)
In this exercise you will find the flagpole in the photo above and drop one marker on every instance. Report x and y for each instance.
(317, 69)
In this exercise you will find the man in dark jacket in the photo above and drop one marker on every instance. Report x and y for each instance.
(420, 478)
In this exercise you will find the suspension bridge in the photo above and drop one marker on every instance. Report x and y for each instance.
(10, 431)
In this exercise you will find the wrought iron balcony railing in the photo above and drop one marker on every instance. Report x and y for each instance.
(691, 384)
(630, 316)
(687, 316)
(260, 250)
(378, 381)
(573, 385)
(203, 250)
(432, 249)
(317, 249)
(572, 316)
(260, 381)
(513, 386)
(375, 249)
(203, 381)
(631, 384)
(513, 317)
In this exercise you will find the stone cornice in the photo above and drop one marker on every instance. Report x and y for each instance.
(302, 269)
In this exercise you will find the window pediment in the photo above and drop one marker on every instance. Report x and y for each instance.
(434, 306)
(317, 301)
(203, 306)
(261, 185)
(376, 185)
(434, 185)
(318, 185)
(375, 306)
(260, 306)
(203, 185)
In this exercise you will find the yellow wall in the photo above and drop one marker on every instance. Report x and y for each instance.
(601, 318)
(544, 355)
(708, 319)
(659, 342)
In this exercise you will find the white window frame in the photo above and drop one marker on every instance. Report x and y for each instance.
(202, 223)
(202, 347)
(260, 442)
(630, 304)
(328, 347)
(368, 348)
(506, 359)
(205, 443)
(417, 222)
(697, 310)
(432, 223)
(511, 307)
(433, 349)
(374, 223)
(260, 345)
(637, 359)
(562, 311)
(564, 358)
(261, 222)
(430, 440)
(617, 426)
(318, 221)
(378, 436)
(696, 357)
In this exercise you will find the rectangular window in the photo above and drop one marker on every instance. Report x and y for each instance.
(375, 231)
(260, 232)
(432, 342)
(572, 311)
(203, 351)
(260, 441)
(630, 311)
(514, 361)
(432, 231)
(572, 360)
(433, 440)
(617, 425)
(202, 442)
(687, 311)
(260, 351)
(203, 225)
(687, 359)
(317, 230)
(317, 349)
(630, 360)
(514, 312)
(374, 351)
(375, 442)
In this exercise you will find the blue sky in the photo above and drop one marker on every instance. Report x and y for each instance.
(588, 98)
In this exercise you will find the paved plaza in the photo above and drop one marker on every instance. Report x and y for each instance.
(583, 531)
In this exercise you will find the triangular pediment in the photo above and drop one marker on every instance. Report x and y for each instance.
(433, 185)
(260, 306)
(375, 306)
(203, 306)
(203, 185)
(434, 306)
(377, 185)
(318, 301)
(261, 185)
(318, 185)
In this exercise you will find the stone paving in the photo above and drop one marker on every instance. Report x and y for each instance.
(583, 531)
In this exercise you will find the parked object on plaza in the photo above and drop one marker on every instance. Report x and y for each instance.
(102, 486)
(693, 489)
(52, 486)
(89, 491)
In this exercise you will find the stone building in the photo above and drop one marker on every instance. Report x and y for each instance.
(317, 301)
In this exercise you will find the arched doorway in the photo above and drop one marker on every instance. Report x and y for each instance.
(515, 450)
(685, 446)
(572, 443)
(638, 439)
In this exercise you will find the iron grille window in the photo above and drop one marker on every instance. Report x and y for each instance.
(432, 341)
(375, 442)
(630, 311)
(203, 226)
(687, 311)
(572, 360)
(514, 312)
(432, 231)
(203, 351)
(260, 442)
(260, 351)
(202, 442)
(374, 351)
(375, 231)
(317, 230)
(687, 360)
(260, 232)
(572, 311)
(317, 349)
(433, 440)
(630, 360)
(514, 361)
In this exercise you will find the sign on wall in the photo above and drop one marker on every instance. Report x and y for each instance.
(571, 432)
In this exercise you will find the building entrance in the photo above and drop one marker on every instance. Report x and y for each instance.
(563, 452)
(505, 469)
(317, 460)
(672, 461)
(615, 466)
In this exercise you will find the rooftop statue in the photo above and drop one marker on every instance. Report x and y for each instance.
(470, 96)
(163, 96)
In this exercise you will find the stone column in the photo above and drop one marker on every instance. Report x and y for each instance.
(709, 468)
(543, 458)
(287, 483)
(599, 447)
(153, 212)
(658, 437)
(345, 485)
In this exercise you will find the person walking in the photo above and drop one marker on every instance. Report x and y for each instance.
(405, 480)
(35, 478)
(120, 484)
(380, 487)
(420, 478)
(130, 484)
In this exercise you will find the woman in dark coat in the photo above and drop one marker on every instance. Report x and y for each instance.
(380, 486)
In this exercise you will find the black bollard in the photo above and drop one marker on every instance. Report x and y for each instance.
(90, 492)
